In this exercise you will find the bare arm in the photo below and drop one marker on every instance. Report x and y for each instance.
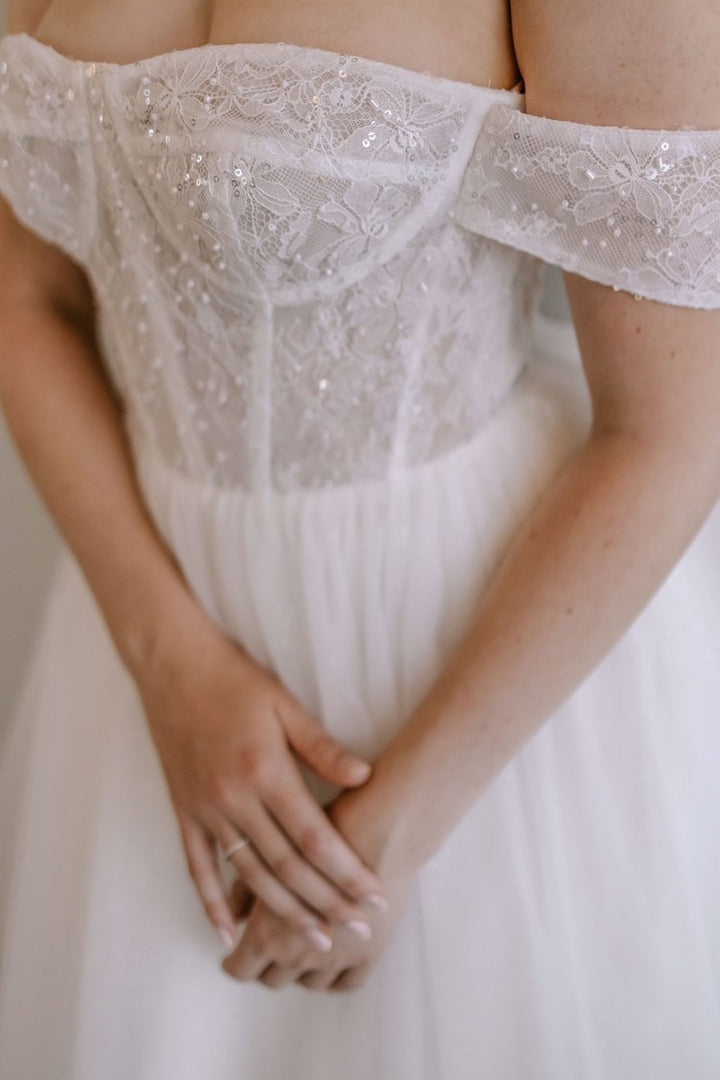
(617, 519)
(71, 439)
(585, 563)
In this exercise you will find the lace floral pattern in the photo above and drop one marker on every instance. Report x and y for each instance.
(632, 208)
(315, 269)
(285, 299)
(331, 109)
(302, 167)
(43, 152)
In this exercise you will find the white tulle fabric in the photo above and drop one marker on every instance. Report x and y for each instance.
(343, 533)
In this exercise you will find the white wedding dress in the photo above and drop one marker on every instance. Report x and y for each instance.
(317, 278)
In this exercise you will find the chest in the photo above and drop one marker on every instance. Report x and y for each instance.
(467, 40)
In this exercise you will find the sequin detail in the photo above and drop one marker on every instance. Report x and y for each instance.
(315, 270)
(43, 150)
(632, 208)
(285, 300)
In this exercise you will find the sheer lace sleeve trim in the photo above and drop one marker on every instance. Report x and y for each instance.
(633, 208)
(46, 169)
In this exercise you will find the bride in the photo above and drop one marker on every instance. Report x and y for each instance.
(383, 646)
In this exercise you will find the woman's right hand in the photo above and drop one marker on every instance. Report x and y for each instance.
(225, 729)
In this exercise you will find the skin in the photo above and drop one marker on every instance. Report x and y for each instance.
(595, 548)
(462, 39)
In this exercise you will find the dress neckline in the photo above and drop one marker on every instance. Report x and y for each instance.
(255, 48)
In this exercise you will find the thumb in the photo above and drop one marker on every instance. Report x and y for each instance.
(324, 754)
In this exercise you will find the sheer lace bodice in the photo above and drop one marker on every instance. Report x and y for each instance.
(314, 269)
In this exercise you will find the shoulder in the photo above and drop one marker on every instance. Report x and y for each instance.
(635, 63)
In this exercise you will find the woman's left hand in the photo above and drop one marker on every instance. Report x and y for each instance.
(272, 952)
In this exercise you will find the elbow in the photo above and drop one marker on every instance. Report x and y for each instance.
(681, 458)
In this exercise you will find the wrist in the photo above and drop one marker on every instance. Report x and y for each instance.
(377, 829)
(160, 622)
(417, 792)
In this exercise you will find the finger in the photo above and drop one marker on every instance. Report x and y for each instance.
(202, 865)
(351, 978)
(317, 979)
(249, 959)
(323, 753)
(265, 886)
(302, 879)
(276, 975)
(266, 941)
(317, 839)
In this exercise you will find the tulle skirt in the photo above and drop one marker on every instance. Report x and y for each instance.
(567, 929)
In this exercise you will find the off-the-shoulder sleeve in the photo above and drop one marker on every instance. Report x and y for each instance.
(45, 168)
(634, 208)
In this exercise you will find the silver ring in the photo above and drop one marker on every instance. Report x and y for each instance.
(242, 842)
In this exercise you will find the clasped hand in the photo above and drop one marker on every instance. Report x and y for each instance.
(227, 733)
(271, 952)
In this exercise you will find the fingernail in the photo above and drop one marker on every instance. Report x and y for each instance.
(226, 937)
(320, 940)
(357, 926)
(378, 901)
